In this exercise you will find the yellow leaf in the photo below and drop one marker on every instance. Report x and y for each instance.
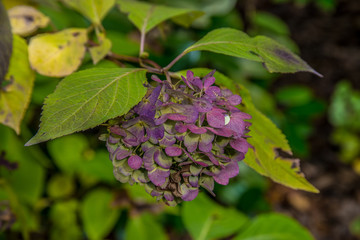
(58, 54)
(25, 20)
(15, 96)
(99, 52)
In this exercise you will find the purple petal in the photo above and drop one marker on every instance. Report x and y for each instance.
(208, 82)
(113, 140)
(194, 181)
(213, 92)
(173, 151)
(225, 132)
(197, 82)
(230, 170)
(180, 127)
(155, 133)
(191, 141)
(205, 143)
(117, 130)
(216, 118)
(202, 105)
(158, 176)
(121, 153)
(212, 158)
(190, 112)
(167, 140)
(176, 117)
(168, 196)
(195, 129)
(135, 162)
(240, 145)
(161, 159)
(234, 100)
(187, 82)
(226, 92)
(188, 194)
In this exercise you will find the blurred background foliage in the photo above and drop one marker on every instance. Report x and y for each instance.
(64, 189)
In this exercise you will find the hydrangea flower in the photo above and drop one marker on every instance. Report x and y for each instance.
(177, 140)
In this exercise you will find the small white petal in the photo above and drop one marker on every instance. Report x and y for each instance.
(227, 119)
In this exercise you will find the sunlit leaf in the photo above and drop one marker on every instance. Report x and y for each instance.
(274, 227)
(144, 227)
(25, 20)
(266, 139)
(204, 219)
(58, 54)
(94, 10)
(97, 214)
(15, 96)
(5, 42)
(99, 52)
(88, 98)
(146, 16)
(232, 42)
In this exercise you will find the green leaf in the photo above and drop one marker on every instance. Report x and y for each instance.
(25, 20)
(5, 42)
(99, 52)
(144, 227)
(60, 186)
(88, 98)
(232, 42)
(15, 96)
(204, 219)
(64, 220)
(27, 181)
(94, 10)
(97, 215)
(266, 138)
(68, 151)
(146, 16)
(274, 227)
(58, 54)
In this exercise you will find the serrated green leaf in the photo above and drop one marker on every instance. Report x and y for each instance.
(94, 10)
(266, 138)
(15, 96)
(88, 98)
(25, 20)
(58, 54)
(274, 227)
(146, 16)
(5, 42)
(97, 214)
(99, 52)
(204, 219)
(232, 42)
(144, 227)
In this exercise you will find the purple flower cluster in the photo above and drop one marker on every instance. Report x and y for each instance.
(178, 139)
